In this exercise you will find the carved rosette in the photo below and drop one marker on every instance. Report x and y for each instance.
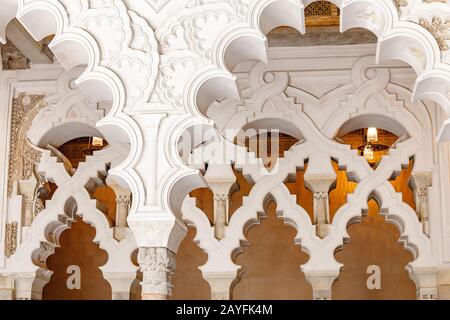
(320, 195)
(157, 266)
(11, 239)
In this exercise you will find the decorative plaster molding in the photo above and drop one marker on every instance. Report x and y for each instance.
(440, 30)
(11, 239)
(23, 155)
(12, 58)
(101, 39)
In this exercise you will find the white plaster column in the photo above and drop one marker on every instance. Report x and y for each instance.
(420, 183)
(41, 278)
(220, 284)
(27, 190)
(319, 177)
(123, 205)
(6, 287)
(157, 266)
(155, 217)
(322, 282)
(23, 286)
(123, 202)
(321, 212)
(220, 179)
(426, 280)
(120, 284)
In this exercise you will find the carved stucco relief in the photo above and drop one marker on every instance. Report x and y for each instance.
(11, 239)
(439, 28)
(12, 58)
(22, 155)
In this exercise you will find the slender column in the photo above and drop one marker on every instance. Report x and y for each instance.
(23, 284)
(322, 282)
(123, 206)
(420, 183)
(220, 284)
(221, 215)
(26, 189)
(220, 178)
(426, 280)
(321, 213)
(6, 287)
(120, 284)
(157, 266)
(318, 178)
(123, 202)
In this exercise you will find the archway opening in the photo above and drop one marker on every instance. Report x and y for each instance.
(372, 136)
(76, 150)
(75, 266)
(270, 265)
(187, 280)
(374, 261)
(322, 19)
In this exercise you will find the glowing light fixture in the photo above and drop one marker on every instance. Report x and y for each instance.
(368, 152)
(372, 134)
(97, 142)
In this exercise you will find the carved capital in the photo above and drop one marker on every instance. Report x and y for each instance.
(321, 195)
(221, 197)
(422, 192)
(123, 200)
(157, 266)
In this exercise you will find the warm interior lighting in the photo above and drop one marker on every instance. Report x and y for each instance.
(368, 152)
(97, 142)
(372, 134)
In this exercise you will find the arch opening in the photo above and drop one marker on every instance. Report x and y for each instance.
(379, 273)
(270, 263)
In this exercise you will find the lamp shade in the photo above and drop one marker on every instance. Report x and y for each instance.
(372, 134)
(97, 142)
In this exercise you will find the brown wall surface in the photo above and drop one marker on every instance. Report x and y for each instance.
(374, 242)
(188, 280)
(271, 263)
(78, 249)
(107, 197)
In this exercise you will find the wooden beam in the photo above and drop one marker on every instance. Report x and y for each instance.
(35, 51)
